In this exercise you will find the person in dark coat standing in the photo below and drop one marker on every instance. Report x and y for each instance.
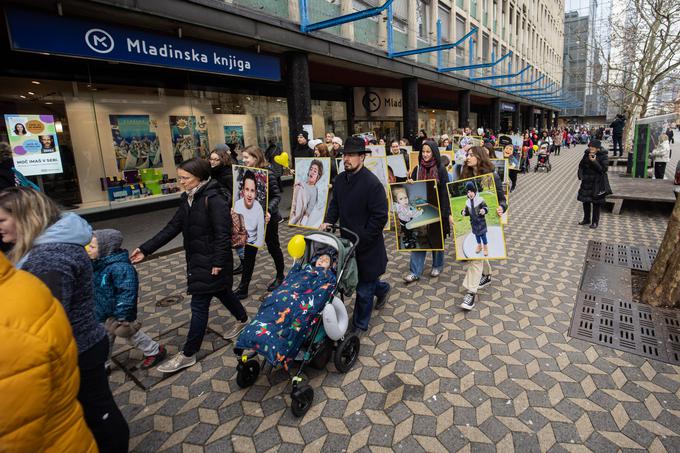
(592, 172)
(302, 148)
(430, 167)
(617, 134)
(418, 144)
(254, 157)
(360, 205)
(204, 221)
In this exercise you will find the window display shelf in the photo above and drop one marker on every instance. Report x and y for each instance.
(91, 208)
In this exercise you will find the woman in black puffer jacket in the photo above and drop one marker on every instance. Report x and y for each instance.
(203, 220)
(592, 172)
(254, 157)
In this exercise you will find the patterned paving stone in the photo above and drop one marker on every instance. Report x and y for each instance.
(505, 376)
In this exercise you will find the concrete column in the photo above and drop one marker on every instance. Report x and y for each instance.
(382, 31)
(547, 121)
(496, 115)
(464, 109)
(412, 24)
(346, 30)
(294, 11)
(298, 94)
(409, 95)
(556, 119)
(515, 118)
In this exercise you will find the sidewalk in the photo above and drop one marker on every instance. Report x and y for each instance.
(430, 377)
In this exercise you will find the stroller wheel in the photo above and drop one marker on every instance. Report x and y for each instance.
(302, 398)
(322, 356)
(347, 353)
(247, 373)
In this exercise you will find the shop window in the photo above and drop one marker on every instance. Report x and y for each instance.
(108, 146)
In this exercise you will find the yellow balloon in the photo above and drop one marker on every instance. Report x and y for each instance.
(282, 159)
(535, 147)
(296, 246)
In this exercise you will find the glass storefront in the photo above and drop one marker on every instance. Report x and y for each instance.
(120, 145)
(437, 122)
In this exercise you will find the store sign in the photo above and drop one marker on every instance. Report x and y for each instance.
(377, 102)
(35, 149)
(508, 107)
(44, 33)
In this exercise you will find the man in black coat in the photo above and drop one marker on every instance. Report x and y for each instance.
(360, 205)
(617, 133)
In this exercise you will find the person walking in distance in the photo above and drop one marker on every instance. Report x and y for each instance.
(617, 134)
(204, 221)
(359, 204)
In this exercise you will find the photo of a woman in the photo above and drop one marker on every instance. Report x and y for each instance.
(19, 129)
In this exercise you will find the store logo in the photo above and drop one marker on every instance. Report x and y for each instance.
(371, 102)
(99, 40)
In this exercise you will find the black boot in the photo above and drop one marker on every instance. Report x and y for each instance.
(593, 225)
(584, 222)
(238, 269)
(241, 292)
(275, 284)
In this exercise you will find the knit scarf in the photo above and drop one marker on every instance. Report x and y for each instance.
(192, 192)
(428, 170)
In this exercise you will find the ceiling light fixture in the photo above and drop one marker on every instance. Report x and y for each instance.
(35, 82)
(31, 93)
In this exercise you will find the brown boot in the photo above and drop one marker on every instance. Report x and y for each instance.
(479, 248)
(486, 250)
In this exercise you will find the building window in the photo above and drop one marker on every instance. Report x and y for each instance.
(421, 19)
(445, 18)
(460, 32)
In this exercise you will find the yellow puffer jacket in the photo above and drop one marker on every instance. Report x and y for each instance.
(39, 376)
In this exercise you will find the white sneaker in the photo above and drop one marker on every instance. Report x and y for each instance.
(236, 330)
(468, 302)
(410, 278)
(435, 272)
(177, 363)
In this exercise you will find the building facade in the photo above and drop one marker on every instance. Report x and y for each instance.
(102, 99)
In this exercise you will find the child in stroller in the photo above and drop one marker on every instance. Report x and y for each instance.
(543, 160)
(304, 315)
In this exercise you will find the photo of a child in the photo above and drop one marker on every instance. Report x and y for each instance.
(417, 216)
(310, 192)
(477, 227)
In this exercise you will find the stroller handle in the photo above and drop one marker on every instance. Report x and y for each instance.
(335, 228)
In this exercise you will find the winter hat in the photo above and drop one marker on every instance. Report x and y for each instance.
(470, 187)
(595, 144)
(444, 137)
(331, 252)
(504, 140)
(312, 143)
(305, 134)
(109, 241)
(337, 140)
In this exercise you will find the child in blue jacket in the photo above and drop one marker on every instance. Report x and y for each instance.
(115, 295)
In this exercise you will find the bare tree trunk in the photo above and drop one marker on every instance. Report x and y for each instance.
(663, 285)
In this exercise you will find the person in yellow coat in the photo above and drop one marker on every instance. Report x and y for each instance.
(39, 378)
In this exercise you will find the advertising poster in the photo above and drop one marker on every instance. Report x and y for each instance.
(35, 149)
(417, 216)
(310, 192)
(477, 229)
(189, 138)
(268, 132)
(135, 142)
(250, 200)
(234, 139)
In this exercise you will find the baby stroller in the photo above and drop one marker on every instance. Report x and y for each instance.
(543, 160)
(314, 337)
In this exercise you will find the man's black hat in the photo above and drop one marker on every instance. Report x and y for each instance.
(355, 145)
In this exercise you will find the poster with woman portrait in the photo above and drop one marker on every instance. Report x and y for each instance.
(310, 192)
(477, 228)
(417, 216)
(33, 139)
(250, 200)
